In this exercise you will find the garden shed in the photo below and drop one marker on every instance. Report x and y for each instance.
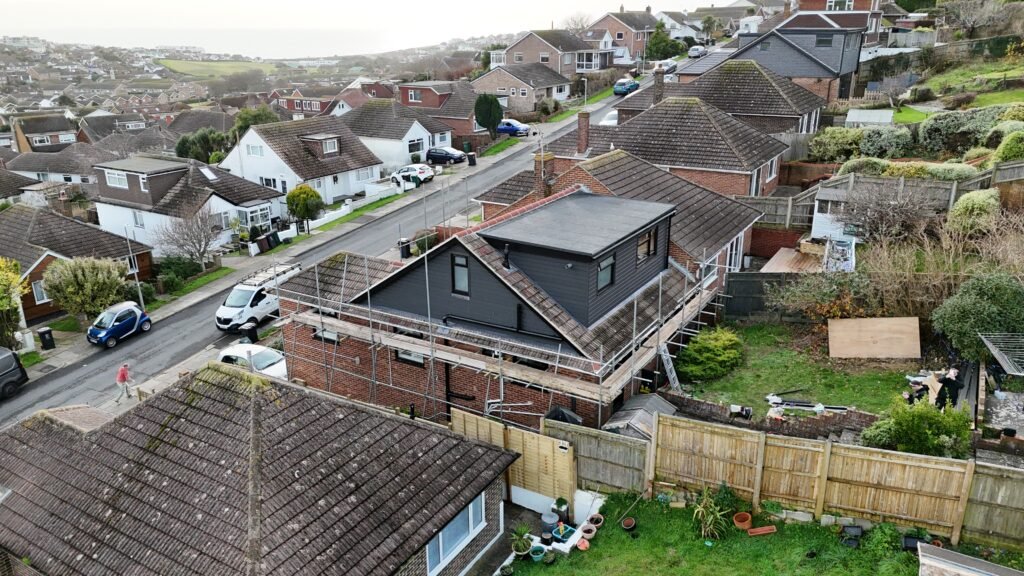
(857, 118)
(636, 417)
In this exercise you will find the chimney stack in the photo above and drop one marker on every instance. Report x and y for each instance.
(582, 131)
(622, 8)
(787, 10)
(543, 168)
(648, 9)
(659, 85)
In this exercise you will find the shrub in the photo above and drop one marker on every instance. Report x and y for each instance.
(957, 131)
(710, 518)
(906, 170)
(727, 500)
(1012, 148)
(975, 211)
(885, 141)
(416, 158)
(921, 428)
(957, 101)
(1014, 112)
(950, 171)
(180, 266)
(710, 354)
(544, 109)
(131, 292)
(1000, 131)
(883, 541)
(921, 94)
(985, 303)
(217, 157)
(836, 144)
(977, 152)
(425, 240)
(171, 282)
(868, 166)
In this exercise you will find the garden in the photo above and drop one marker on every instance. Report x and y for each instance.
(702, 539)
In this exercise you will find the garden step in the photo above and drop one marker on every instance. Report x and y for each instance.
(761, 531)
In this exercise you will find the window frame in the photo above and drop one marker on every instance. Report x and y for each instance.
(35, 295)
(606, 263)
(66, 138)
(330, 143)
(117, 176)
(620, 35)
(415, 95)
(522, 92)
(40, 140)
(545, 57)
(143, 183)
(456, 267)
(764, 46)
(416, 146)
(648, 240)
(773, 169)
(265, 182)
(443, 560)
(819, 40)
(709, 278)
(361, 178)
(517, 57)
(132, 261)
(138, 219)
(254, 150)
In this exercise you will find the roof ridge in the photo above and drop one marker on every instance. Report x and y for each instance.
(721, 133)
(522, 210)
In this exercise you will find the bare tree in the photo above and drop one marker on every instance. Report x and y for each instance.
(973, 14)
(192, 236)
(893, 88)
(885, 211)
(577, 22)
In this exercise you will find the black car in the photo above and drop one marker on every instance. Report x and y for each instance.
(12, 373)
(445, 155)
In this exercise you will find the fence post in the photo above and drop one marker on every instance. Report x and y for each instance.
(961, 507)
(952, 194)
(819, 486)
(759, 472)
(652, 453)
(789, 211)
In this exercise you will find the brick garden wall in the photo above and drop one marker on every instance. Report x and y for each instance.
(804, 174)
(725, 183)
(827, 88)
(765, 242)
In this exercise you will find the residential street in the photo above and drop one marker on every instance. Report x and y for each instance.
(174, 339)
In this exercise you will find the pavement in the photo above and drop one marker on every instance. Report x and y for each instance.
(79, 373)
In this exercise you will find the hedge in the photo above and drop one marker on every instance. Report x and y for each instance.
(958, 131)
(948, 172)
(836, 144)
(1012, 148)
(995, 136)
(974, 211)
(886, 141)
(868, 166)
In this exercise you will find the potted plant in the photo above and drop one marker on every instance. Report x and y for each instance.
(596, 520)
(520, 539)
(537, 553)
(628, 523)
(561, 506)
(507, 570)
(550, 557)
(588, 531)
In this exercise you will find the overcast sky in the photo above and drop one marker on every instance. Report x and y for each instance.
(290, 29)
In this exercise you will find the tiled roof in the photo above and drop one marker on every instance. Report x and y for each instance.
(26, 233)
(227, 473)
(389, 119)
(636, 19)
(685, 132)
(562, 40)
(78, 158)
(831, 21)
(191, 120)
(704, 222)
(284, 139)
(535, 74)
(341, 278)
(97, 128)
(722, 13)
(509, 191)
(10, 183)
(677, 17)
(46, 123)
(460, 102)
(6, 155)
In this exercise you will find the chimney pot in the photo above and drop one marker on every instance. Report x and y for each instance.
(582, 132)
(543, 168)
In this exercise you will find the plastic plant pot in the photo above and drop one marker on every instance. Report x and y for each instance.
(583, 545)
(588, 531)
(596, 519)
(537, 553)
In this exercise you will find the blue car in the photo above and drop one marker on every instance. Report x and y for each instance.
(117, 323)
(625, 86)
(513, 128)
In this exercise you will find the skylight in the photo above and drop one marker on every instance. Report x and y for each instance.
(4, 493)
(208, 173)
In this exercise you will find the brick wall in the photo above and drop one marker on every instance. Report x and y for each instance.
(765, 242)
(492, 210)
(416, 565)
(804, 174)
(498, 78)
(726, 183)
(810, 427)
(827, 88)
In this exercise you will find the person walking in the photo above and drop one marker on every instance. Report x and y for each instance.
(124, 382)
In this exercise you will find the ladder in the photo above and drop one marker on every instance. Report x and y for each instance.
(670, 369)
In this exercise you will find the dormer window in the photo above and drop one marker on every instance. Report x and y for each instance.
(144, 183)
(647, 245)
(117, 179)
(606, 273)
(330, 146)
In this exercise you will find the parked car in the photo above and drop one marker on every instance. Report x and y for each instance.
(445, 155)
(117, 323)
(625, 86)
(12, 373)
(610, 119)
(406, 173)
(697, 51)
(266, 361)
(513, 128)
(669, 66)
(254, 299)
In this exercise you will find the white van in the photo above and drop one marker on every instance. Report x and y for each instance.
(254, 298)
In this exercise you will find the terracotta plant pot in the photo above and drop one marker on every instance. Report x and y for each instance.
(937, 543)
(742, 520)
(596, 519)
(583, 544)
(628, 523)
(588, 531)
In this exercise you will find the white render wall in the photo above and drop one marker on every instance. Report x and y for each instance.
(113, 219)
(54, 176)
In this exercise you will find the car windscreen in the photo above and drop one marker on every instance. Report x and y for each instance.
(104, 321)
(265, 358)
(238, 298)
(451, 150)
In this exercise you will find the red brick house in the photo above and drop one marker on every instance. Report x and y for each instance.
(630, 29)
(451, 102)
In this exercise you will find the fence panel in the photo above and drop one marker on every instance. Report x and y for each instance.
(792, 467)
(696, 454)
(604, 461)
(896, 487)
(477, 428)
(995, 510)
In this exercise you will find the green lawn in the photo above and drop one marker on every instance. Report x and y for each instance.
(218, 68)
(30, 359)
(500, 147)
(568, 112)
(975, 75)
(597, 97)
(667, 543)
(359, 212)
(1000, 97)
(773, 362)
(66, 324)
(189, 287)
(908, 115)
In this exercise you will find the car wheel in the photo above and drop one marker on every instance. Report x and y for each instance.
(8, 390)
(451, 161)
(395, 181)
(145, 326)
(111, 342)
(430, 161)
(254, 321)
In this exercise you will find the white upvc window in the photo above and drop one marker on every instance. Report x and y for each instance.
(415, 95)
(134, 125)
(364, 174)
(268, 182)
(561, 88)
(755, 182)
(773, 169)
(619, 35)
(502, 90)
(138, 219)
(40, 140)
(253, 150)
(67, 178)
(442, 137)
(39, 292)
(132, 262)
(709, 271)
(512, 91)
(116, 179)
(454, 537)
(318, 183)
(415, 145)
(545, 57)
(735, 254)
(66, 138)
(567, 58)
(522, 92)
(517, 57)
(144, 183)
(330, 146)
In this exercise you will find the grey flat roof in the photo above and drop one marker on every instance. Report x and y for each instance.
(320, 136)
(144, 165)
(581, 223)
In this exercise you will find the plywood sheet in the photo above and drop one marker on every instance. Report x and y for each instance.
(789, 260)
(874, 338)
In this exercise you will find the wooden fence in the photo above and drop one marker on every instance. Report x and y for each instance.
(604, 461)
(995, 510)
(787, 211)
(547, 465)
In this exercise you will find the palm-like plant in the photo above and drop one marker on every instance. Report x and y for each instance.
(710, 25)
(710, 517)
